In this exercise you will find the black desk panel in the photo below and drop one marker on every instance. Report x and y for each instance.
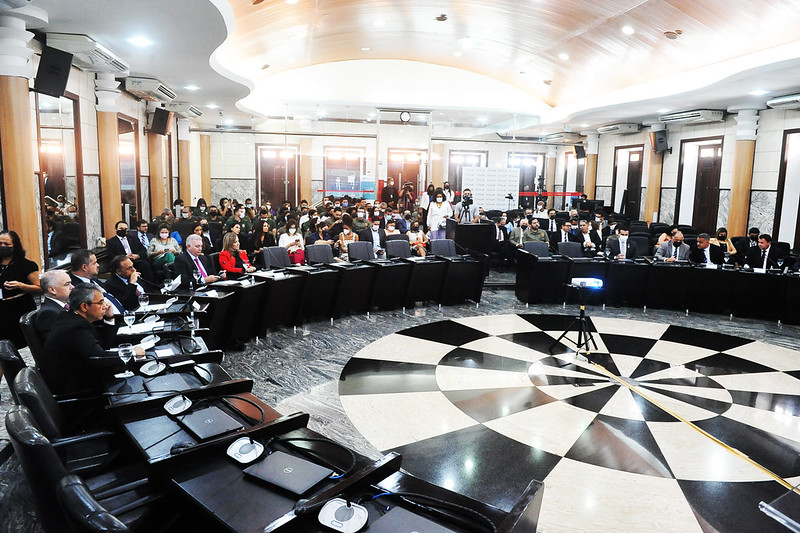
(626, 283)
(463, 281)
(760, 295)
(667, 286)
(712, 291)
(391, 283)
(282, 303)
(354, 289)
(427, 279)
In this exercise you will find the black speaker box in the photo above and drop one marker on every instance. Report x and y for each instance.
(162, 121)
(53, 73)
(658, 140)
(580, 151)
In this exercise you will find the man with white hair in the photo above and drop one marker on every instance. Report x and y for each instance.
(56, 287)
(192, 261)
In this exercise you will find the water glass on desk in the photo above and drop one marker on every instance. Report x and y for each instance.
(144, 301)
(129, 317)
(126, 352)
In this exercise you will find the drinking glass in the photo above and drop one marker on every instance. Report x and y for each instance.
(780, 263)
(727, 257)
(198, 278)
(126, 353)
(144, 301)
(129, 317)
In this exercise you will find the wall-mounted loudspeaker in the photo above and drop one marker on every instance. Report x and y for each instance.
(162, 121)
(53, 73)
(580, 151)
(658, 140)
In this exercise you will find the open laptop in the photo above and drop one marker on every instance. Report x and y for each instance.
(209, 422)
(289, 472)
(399, 520)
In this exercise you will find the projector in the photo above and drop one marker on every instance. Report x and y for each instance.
(587, 283)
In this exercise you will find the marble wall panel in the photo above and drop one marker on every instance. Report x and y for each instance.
(144, 187)
(642, 201)
(603, 193)
(70, 187)
(724, 207)
(232, 188)
(666, 212)
(91, 210)
(560, 202)
(175, 189)
(762, 210)
(316, 192)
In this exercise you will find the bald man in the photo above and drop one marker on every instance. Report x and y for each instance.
(56, 286)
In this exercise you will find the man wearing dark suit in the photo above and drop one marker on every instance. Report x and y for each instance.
(375, 235)
(122, 244)
(75, 355)
(123, 283)
(389, 194)
(704, 253)
(609, 228)
(764, 255)
(83, 269)
(193, 260)
(589, 239)
(141, 234)
(56, 286)
(563, 235)
(57, 243)
(622, 247)
(501, 245)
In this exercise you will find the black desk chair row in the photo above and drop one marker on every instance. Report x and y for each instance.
(31, 337)
(10, 363)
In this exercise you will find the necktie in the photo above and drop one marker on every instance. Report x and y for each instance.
(125, 244)
(66, 307)
(565, 237)
(763, 259)
(200, 267)
(144, 239)
(552, 225)
(674, 252)
(499, 235)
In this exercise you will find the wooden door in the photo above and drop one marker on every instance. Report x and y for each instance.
(277, 173)
(706, 191)
(633, 197)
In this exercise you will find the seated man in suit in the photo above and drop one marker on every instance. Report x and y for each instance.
(621, 247)
(56, 287)
(83, 269)
(673, 250)
(192, 261)
(123, 244)
(589, 239)
(563, 235)
(515, 238)
(75, 356)
(123, 283)
(376, 236)
(704, 253)
(141, 233)
(764, 255)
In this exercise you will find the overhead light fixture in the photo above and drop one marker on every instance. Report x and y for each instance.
(379, 23)
(291, 2)
(366, 49)
(140, 41)
(212, 106)
(663, 110)
(191, 87)
(758, 92)
(584, 125)
(457, 53)
(483, 120)
(442, 17)
(563, 56)
(628, 30)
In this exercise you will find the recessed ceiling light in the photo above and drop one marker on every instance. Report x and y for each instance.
(366, 49)
(665, 110)
(483, 120)
(321, 113)
(212, 106)
(192, 88)
(457, 53)
(228, 121)
(758, 92)
(292, 2)
(585, 125)
(379, 23)
(628, 30)
(442, 17)
(140, 40)
(563, 56)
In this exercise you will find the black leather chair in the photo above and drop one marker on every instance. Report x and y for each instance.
(570, 249)
(10, 364)
(398, 248)
(319, 254)
(443, 247)
(31, 337)
(360, 251)
(83, 512)
(266, 257)
(539, 249)
(279, 257)
(399, 237)
(215, 261)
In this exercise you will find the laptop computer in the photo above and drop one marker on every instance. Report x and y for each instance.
(399, 520)
(168, 383)
(209, 422)
(289, 472)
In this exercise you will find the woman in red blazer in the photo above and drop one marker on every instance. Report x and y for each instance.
(231, 259)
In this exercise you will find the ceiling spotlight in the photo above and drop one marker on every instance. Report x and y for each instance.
(140, 40)
(758, 92)
(366, 49)
(379, 23)
(672, 35)
(563, 56)
(628, 30)
(457, 53)
(442, 17)
(212, 106)
(192, 88)
(483, 120)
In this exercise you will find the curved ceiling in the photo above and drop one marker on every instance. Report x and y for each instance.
(571, 62)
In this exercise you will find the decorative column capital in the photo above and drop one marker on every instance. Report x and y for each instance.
(183, 129)
(592, 143)
(15, 56)
(747, 124)
(552, 152)
(106, 90)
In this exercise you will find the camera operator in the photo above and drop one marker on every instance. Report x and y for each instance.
(464, 210)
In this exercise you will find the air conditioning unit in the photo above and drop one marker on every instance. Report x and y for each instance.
(13, 4)
(790, 101)
(699, 115)
(561, 137)
(87, 54)
(149, 89)
(620, 128)
(184, 109)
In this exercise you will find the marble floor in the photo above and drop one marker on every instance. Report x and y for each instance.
(469, 400)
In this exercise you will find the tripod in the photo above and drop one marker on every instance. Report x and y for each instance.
(584, 332)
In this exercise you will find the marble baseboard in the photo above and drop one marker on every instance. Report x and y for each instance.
(762, 210)
(666, 211)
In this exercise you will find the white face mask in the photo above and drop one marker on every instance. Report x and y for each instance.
(165, 235)
(389, 228)
(376, 228)
(346, 231)
(292, 231)
(72, 215)
(361, 214)
(185, 215)
(623, 239)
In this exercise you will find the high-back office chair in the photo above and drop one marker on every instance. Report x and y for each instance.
(642, 245)
(398, 237)
(279, 257)
(443, 247)
(360, 251)
(570, 249)
(10, 363)
(215, 261)
(83, 512)
(539, 249)
(398, 248)
(31, 337)
(267, 258)
(319, 254)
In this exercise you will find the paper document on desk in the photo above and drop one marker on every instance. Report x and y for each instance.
(151, 307)
(227, 283)
(144, 327)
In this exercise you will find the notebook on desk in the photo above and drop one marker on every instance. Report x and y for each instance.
(289, 472)
(209, 422)
(399, 520)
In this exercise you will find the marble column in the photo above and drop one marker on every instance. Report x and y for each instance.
(16, 131)
(654, 171)
(184, 174)
(205, 167)
(747, 124)
(155, 157)
(590, 178)
(550, 173)
(107, 93)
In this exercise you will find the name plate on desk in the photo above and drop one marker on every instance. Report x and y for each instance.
(138, 329)
(711, 266)
(760, 270)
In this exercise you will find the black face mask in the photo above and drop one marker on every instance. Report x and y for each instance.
(722, 237)
(753, 237)
(122, 233)
(415, 228)
(552, 217)
(213, 213)
(204, 227)
(6, 252)
(408, 217)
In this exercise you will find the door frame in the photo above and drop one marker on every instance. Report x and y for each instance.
(681, 161)
(629, 147)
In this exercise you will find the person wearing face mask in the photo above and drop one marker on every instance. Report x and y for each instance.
(19, 281)
(310, 224)
(130, 246)
(360, 221)
(551, 223)
(376, 236)
(72, 215)
(674, 250)
(449, 195)
(417, 239)
(321, 235)
(56, 242)
(517, 235)
(465, 210)
(438, 212)
(202, 229)
(293, 242)
(248, 207)
(427, 197)
(391, 228)
(622, 247)
(202, 208)
(389, 194)
(722, 241)
(240, 217)
(225, 208)
(177, 207)
(163, 249)
(346, 237)
(186, 215)
(404, 223)
(541, 211)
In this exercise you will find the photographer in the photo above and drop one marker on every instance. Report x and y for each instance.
(464, 210)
